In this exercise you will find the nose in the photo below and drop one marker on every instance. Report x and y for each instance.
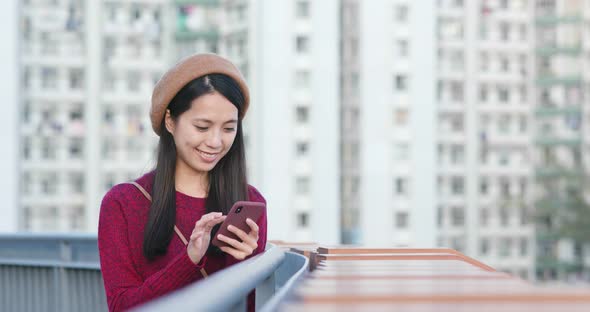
(214, 139)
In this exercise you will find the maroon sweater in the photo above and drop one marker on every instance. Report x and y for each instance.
(129, 278)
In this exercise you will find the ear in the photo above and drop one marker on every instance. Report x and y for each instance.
(169, 122)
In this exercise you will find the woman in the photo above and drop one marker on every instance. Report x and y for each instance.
(154, 234)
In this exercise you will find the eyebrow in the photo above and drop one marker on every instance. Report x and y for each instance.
(209, 121)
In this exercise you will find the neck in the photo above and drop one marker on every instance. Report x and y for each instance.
(191, 182)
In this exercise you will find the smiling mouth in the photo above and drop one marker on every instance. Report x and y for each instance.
(205, 155)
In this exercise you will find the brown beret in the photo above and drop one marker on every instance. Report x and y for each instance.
(185, 71)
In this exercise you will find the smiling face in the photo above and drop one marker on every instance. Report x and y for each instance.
(204, 133)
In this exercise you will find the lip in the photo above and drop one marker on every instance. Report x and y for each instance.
(207, 157)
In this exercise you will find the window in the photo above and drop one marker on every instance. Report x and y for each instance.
(456, 123)
(402, 47)
(401, 82)
(48, 150)
(505, 64)
(77, 183)
(302, 114)
(505, 247)
(302, 219)
(504, 216)
(49, 78)
(302, 185)
(484, 187)
(133, 81)
(458, 243)
(76, 79)
(457, 186)
(522, 32)
(523, 247)
(401, 220)
(457, 91)
(400, 13)
(504, 31)
(401, 186)
(26, 77)
(302, 79)
(457, 154)
(302, 148)
(504, 158)
(76, 148)
(503, 94)
(484, 246)
(484, 62)
(401, 117)
(457, 60)
(302, 9)
(302, 44)
(109, 181)
(457, 216)
(504, 124)
(484, 216)
(354, 83)
(505, 187)
(450, 29)
(522, 124)
(483, 93)
(49, 184)
(26, 183)
(524, 214)
(401, 152)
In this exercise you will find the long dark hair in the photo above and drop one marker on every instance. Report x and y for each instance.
(227, 180)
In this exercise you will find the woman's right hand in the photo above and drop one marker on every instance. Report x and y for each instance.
(201, 236)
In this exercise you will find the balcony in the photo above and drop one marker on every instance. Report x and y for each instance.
(549, 81)
(557, 111)
(544, 141)
(555, 172)
(553, 50)
(551, 20)
(210, 34)
(198, 2)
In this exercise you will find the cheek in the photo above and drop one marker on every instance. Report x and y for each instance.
(228, 141)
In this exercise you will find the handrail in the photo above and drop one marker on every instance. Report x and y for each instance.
(283, 293)
(50, 272)
(49, 250)
(223, 291)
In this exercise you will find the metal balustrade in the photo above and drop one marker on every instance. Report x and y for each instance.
(61, 272)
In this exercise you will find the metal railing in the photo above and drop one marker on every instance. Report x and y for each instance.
(50, 272)
(61, 272)
(272, 274)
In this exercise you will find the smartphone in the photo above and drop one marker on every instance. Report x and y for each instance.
(237, 216)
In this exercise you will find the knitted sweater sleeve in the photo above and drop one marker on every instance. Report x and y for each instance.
(124, 286)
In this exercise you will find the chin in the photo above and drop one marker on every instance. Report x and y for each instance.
(204, 167)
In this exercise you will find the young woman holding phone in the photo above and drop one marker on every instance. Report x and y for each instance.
(154, 233)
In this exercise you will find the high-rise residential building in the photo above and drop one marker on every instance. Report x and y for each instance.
(388, 118)
(385, 122)
(484, 126)
(88, 70)
(9, 70)
(297, 122)
(560, 136)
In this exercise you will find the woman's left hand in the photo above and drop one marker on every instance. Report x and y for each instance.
(249, 243)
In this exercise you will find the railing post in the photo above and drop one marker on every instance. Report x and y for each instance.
(265, 291)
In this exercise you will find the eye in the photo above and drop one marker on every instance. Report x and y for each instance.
(230, 129)
(201, 128)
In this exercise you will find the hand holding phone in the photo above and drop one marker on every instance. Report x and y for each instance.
(238, 236)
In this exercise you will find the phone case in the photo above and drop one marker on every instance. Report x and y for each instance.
(237, 216)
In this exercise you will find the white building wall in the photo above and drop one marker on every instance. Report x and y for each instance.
(298, 185)
(9, 56)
